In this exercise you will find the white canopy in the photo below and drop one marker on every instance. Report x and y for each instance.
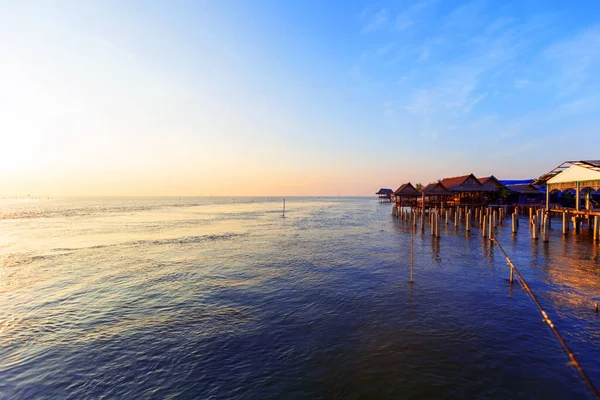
(576, 173)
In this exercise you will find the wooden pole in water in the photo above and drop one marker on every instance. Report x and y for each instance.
(283, 208)
(546, 232)
(565, 222)
(456, 219)
(412, 253)
(468, 221)
(596, 228)
(437, 225)
(534, 228)
(423, 212)
(530, 214)
(432, 223)
(491, 226)
(484, 228)
(514, 223)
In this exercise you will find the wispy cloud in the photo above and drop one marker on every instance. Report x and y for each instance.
(576, 61)
(481, 71)
(383, 50)
(412, 15)
(522, 83)
(376, 21)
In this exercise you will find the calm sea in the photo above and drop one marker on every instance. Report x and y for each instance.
(223, 298)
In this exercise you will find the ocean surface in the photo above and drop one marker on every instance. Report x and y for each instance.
(222, 298)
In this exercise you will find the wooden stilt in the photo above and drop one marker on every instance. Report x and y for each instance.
(468, 221)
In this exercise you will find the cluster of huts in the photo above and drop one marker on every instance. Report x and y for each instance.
(573, 184)
(465, 190)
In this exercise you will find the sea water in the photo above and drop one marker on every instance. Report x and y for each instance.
(224, 298)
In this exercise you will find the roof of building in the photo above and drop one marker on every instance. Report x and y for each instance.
(406, 189)
(436, 189)
(385, 191)
(507, 182)
(466, 183)
(455, 181)
(490, 181)
(527, 188)
(585, 172)
(592, 165)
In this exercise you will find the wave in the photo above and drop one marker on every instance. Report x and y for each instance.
(157, 242)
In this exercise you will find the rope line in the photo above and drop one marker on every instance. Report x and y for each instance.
(550, 324)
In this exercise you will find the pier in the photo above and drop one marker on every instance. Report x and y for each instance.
(484, 203)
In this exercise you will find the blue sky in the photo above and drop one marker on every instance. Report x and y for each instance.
(292, 98)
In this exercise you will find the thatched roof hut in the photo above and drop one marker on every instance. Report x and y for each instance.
(406, 190)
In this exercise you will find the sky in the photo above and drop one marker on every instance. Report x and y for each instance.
(199, 98)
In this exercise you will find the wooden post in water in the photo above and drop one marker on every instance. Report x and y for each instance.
(412, 251)
(596, 228)
(565, 222)
(283, 208)
(447, 213)
(534, 228)
(468, 221)
(423, 212)
(546, 231)
(530, 214)
(437, 225)
(484, 228)
(491, 226)
(495, 219)
(432, 223)
(456, 219)
(515, 228)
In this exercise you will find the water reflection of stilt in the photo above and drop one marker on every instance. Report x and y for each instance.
(435, 250)
(534, 253)
(487, 250)
(546, 249)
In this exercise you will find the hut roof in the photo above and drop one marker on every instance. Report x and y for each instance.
(385, 191)
(455, 181)
(406, 189)
(466, 183)
(524, 189)
(436, 189)
(491, 181)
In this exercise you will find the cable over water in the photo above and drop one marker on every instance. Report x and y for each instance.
(549, 322)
